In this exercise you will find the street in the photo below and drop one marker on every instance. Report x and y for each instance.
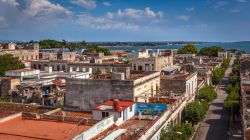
(216, 123)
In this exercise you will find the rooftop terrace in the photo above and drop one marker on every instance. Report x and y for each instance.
(7, 109)
(23, 129)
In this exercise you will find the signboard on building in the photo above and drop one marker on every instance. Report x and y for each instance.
(150, 109)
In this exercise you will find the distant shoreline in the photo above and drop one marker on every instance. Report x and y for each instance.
(241, 46)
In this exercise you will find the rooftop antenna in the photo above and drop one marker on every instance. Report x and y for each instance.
(62, 41)
(62, 36)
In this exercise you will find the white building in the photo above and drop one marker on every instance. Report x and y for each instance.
(223, 55)
(122, 111)
(23, 73)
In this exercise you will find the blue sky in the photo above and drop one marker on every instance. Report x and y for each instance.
(125, 20)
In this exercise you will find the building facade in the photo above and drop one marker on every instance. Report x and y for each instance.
(143, 61)
(86, 94)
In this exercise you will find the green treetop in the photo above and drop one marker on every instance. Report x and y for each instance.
(8, 62)
(188, 49)
(211, 51)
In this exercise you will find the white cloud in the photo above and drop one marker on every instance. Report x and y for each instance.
(106, 4)
(3, 23)
(135, 14)
(220, 4)
(11, 2)
(243, 1)
(204, 25)
(190, 9)
(183, 17)
(103, 23)
(89, 4)
(127, 19)
(234, 10)
(2, 19)
(45, 9)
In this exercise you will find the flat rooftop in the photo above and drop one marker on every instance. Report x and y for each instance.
(7, 109)
(178, 76)
(134, 127)
(138, 74)
(23, 129)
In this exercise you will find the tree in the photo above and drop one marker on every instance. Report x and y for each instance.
(217, 75)
(178, 132)
(232, 102)
(225, 63)
(97, 73)
(207, 93)
(211, 51)
(195, 111)
(50, 44)
(97, 49)
(8, 62)
(188, 49)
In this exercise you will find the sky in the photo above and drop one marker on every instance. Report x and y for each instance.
(125, 20)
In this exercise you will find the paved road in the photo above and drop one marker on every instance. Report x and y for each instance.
(216, 123)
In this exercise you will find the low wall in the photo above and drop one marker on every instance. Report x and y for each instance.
(53, 111)
(28, 115)
(96, 129)
(10, 117)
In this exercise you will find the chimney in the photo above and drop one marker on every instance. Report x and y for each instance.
(116, 105)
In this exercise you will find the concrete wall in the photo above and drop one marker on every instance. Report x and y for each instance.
(86, 94)
(146, 89)
(7, 84)
(187, 85)
(176, 86)
(96, 129)
(191, 85)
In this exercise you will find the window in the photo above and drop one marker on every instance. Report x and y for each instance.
(139, 67)
(153, 67)
(147, 67)
(63, 67)
(130, 108)
(58, 67)
(134, 66)
(105, 114)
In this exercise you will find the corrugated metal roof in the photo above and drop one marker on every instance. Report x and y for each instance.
(170, 68)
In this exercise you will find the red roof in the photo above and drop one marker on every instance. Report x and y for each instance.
(121, 105)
